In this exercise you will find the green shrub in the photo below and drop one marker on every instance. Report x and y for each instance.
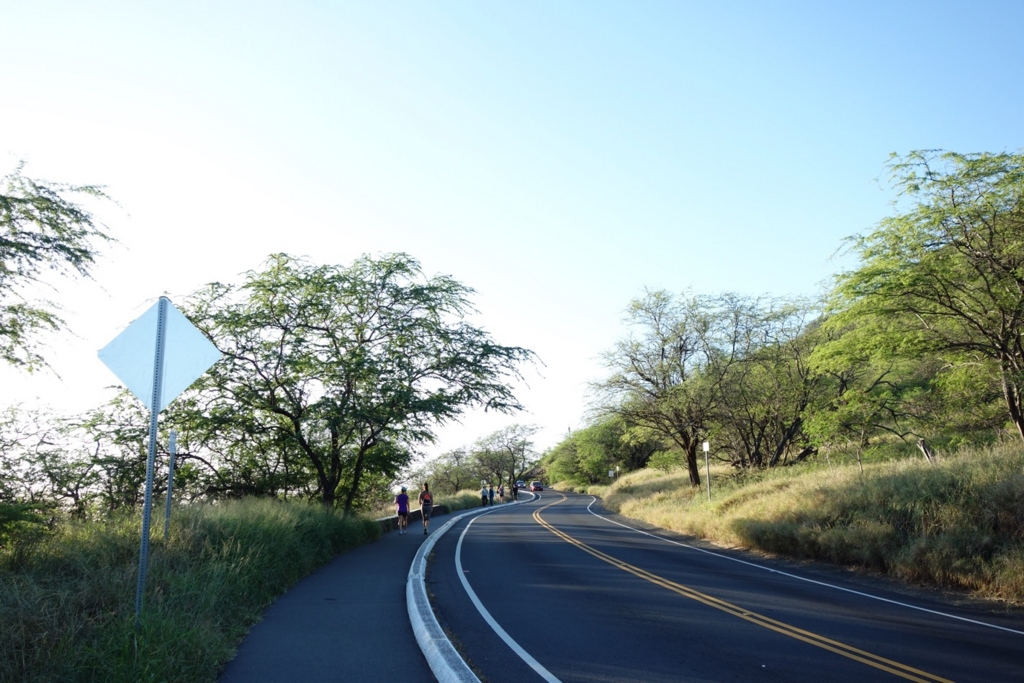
(21, 523)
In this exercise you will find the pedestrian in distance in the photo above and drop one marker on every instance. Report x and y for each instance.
(402, 510)
(501, 493)
(490, 495)
(483, 495)
(515, 491)
(426, 506)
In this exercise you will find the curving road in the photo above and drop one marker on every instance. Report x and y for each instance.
(557, 589)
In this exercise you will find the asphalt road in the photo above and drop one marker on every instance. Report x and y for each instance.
(549, 591)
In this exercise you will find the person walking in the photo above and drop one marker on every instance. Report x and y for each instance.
(426, 506)
(490, 495)
(402, 510)
(483, 495)
(501, 494)
(515, 491)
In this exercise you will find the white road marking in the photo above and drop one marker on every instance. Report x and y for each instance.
(802, 578)
(523, 654)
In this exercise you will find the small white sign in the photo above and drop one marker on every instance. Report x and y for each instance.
(187, 355)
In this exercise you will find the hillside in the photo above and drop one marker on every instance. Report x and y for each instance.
(957, 523)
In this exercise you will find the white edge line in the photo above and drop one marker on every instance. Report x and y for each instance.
(802, 578)
(442, 657)
(523, 654)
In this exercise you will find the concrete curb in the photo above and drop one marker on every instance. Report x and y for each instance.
(444, 661)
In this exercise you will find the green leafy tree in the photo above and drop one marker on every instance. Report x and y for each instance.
(219, 456)
(349, 367)
(506, 455)
(767, 393)
(560, 464)
(667, 376)
(41, 230)
(587, 455)
(42, 464)
(583, 457)
(119, 431)
(449, 473)
(947, 270)
(873, 382)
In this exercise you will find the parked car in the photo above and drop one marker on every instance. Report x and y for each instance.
(536, 486)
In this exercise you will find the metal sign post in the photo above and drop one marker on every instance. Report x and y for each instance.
(183, 353)
(707, 468)
(172, 447)
(154, 414)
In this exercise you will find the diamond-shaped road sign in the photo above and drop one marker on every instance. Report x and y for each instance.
(187, 355)
(160, 353)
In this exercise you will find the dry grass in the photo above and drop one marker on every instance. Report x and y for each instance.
(956, 524)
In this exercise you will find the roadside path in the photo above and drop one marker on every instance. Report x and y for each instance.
(347, 621)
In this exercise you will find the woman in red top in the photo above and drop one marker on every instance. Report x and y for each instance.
(426, 506)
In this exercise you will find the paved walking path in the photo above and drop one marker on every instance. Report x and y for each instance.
(346, 622)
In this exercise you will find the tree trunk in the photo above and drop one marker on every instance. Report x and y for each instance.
(323, 480)
(780, 448)
(692, 465)
(926, 449)
(807, 451)
(1012, 395)
(357, 474)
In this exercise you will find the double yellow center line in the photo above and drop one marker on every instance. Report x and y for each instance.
(872, 660)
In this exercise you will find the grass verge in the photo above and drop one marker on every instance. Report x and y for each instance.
(68, 600)
(955, 524)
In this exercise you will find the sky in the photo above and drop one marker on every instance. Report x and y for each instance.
(558, 157)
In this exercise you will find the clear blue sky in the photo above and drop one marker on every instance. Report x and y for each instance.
(556, 156)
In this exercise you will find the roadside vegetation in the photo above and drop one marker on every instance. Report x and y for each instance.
(957, 523)
(67, 596)
(331, 378)
(912, 366)
(334, 376)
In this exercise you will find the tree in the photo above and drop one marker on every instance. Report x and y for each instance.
(949, 270)
(50, 460)
(507, 454)
(768, 391)
(40, 230)
(222, 457)
(119, 431)
(668, 381)
(872, 382)
(449, 473)
(347, 367)
(587, 455)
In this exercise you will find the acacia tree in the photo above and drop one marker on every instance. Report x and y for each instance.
(41, 230)
(352, 366)
(507, 454)
(767, 392)
(587, 455)
(449, 473)
(222, 457)
(949, 271)
(874, 379)
(75, 463)
(668, 379)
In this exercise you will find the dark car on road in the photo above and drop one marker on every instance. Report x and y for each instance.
(536, 486)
